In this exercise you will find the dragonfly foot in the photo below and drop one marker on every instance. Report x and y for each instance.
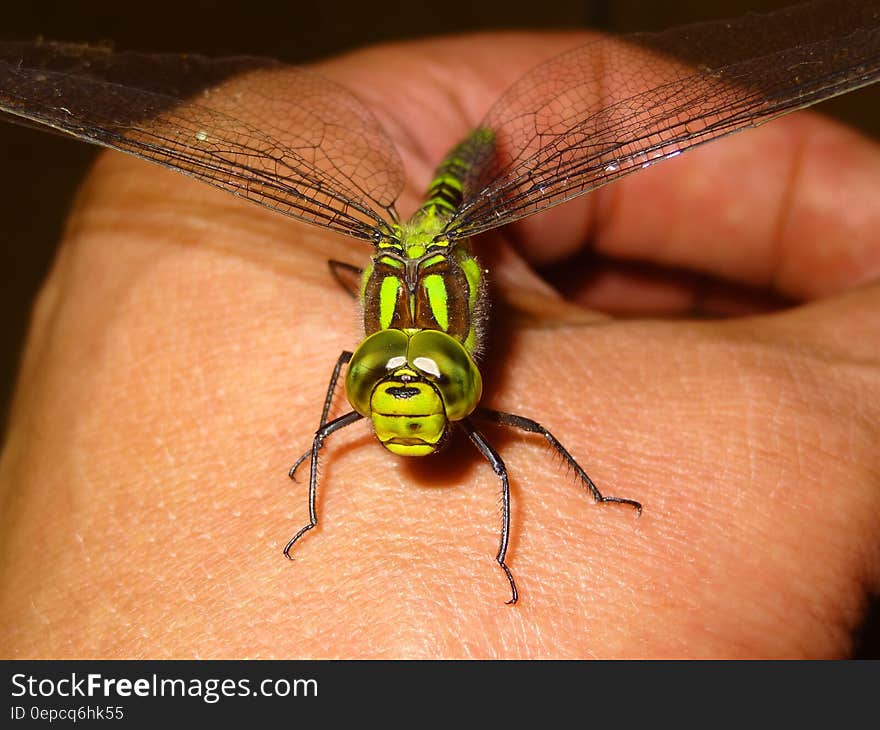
(637, 506)
(296, 537)
(514, 595)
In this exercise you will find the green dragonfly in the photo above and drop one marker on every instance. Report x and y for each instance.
(563, 129)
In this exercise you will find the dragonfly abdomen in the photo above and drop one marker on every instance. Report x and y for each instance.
(447, 190)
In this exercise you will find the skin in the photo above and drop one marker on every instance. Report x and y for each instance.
(180, 349)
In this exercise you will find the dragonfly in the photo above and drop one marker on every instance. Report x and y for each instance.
(573, 123)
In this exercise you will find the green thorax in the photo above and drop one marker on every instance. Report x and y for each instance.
(420, 279)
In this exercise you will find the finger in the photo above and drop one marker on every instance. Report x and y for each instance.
(789, 207)
(634, 289)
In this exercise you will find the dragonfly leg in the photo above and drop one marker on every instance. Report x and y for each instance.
(527, 424)
(486, 449)
(347, 276)
(343, 359)
(322, 433)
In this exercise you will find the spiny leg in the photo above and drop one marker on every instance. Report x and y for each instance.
(527, 424)
(322, 433)
(486, 449)
(343, 359)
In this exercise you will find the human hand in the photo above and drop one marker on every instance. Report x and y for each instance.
(180, 350)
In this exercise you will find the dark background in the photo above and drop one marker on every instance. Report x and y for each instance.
(40, 172)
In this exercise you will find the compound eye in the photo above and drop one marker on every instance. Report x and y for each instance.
(444, 361)
(376, 356)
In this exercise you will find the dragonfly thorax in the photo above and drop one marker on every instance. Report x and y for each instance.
(412, 384)
(411, 286)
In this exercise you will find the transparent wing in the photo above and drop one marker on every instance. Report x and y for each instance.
(607, 109)
(278, 135)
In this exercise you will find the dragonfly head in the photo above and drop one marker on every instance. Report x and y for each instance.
(412, 384)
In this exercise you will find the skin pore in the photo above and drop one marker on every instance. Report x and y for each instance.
(180, 350)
